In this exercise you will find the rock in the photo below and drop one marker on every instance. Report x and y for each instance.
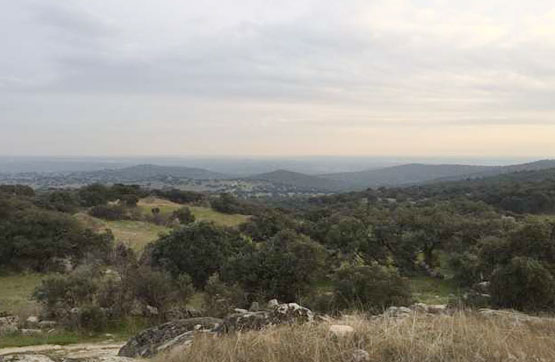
(291, 313)
(32, 322)
(272, 304)
(47, 324)
(255, 307)
(360, 355)
(30, 332)
(420, 307)
(25, 358)
(287, 313)
(339, 330)
(151, 341)
(8, 325)
(151, 311)
(239, 310)
(398, 312)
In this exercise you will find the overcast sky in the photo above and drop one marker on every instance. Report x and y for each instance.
(287, 77)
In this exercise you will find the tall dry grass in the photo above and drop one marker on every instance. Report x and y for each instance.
(467, 337)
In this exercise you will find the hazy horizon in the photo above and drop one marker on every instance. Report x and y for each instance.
(431, 79)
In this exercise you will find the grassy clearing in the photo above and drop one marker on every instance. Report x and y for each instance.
(463, 337)
(201, 213)
(432, 290)
(15, 294)
(207, 214)
(137, 234)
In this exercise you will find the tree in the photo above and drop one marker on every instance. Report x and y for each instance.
(371, 286)
(184, 215)
(198, 249)
(284, 267)
(523, 283)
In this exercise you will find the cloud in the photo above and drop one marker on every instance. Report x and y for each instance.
(305, 65)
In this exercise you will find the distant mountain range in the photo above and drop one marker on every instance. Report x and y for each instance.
(412, 174)
(396, 176)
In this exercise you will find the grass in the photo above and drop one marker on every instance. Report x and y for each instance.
(137, 234)
(120, 332)
(15, 294)
(463, 337)
(432, 290)
(201, 213)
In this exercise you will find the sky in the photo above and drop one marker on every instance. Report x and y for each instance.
(287, 77)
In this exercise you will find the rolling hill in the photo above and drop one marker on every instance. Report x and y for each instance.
(412, 174)
(299, 180)
(149, 172)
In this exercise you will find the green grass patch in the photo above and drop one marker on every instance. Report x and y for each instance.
(16, 291)
(208, 214)
(201, 213)
(432, 290)
(136, 234)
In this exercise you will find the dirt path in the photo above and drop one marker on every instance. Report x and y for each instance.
(102, 351)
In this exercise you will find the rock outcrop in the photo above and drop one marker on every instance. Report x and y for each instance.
(181, 332)
(155, 340)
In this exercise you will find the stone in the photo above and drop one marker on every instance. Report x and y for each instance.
(339, 330)
(239, 310)
(272, 304)
(360, 355)
(420, 307)
(8, 325)
(25, 358)
(255, 307)
(153, 340)
(151, 311)
(30, 332)
(32, 321)
(47, 324)
(287, 313)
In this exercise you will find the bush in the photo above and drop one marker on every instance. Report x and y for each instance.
(184, 215)
(370, 287)
(198, 249)
(109, 212)
(524, 284)
(220, 299)
(285, 267)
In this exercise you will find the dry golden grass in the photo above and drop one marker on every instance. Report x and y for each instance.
(461, 338)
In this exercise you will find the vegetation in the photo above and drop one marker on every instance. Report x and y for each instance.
(463, 337)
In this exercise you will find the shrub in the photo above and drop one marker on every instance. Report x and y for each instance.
(220, 299)
(184, 215)
(524, 284)
(284, 267)
(109, 212)
(198, 249)
(371, 287)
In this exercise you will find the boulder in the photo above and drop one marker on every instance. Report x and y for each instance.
(30, 332)
(272, 304)
(32, 322)
(154, 340)
(287, 313)
(47, 324)
(339, 330)
(8, 325)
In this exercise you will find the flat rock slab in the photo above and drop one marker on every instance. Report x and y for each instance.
(83, 352)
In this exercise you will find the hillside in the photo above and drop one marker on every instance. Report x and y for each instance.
(412, 174)
(402, 175)
(299, 180)
(148, 172)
